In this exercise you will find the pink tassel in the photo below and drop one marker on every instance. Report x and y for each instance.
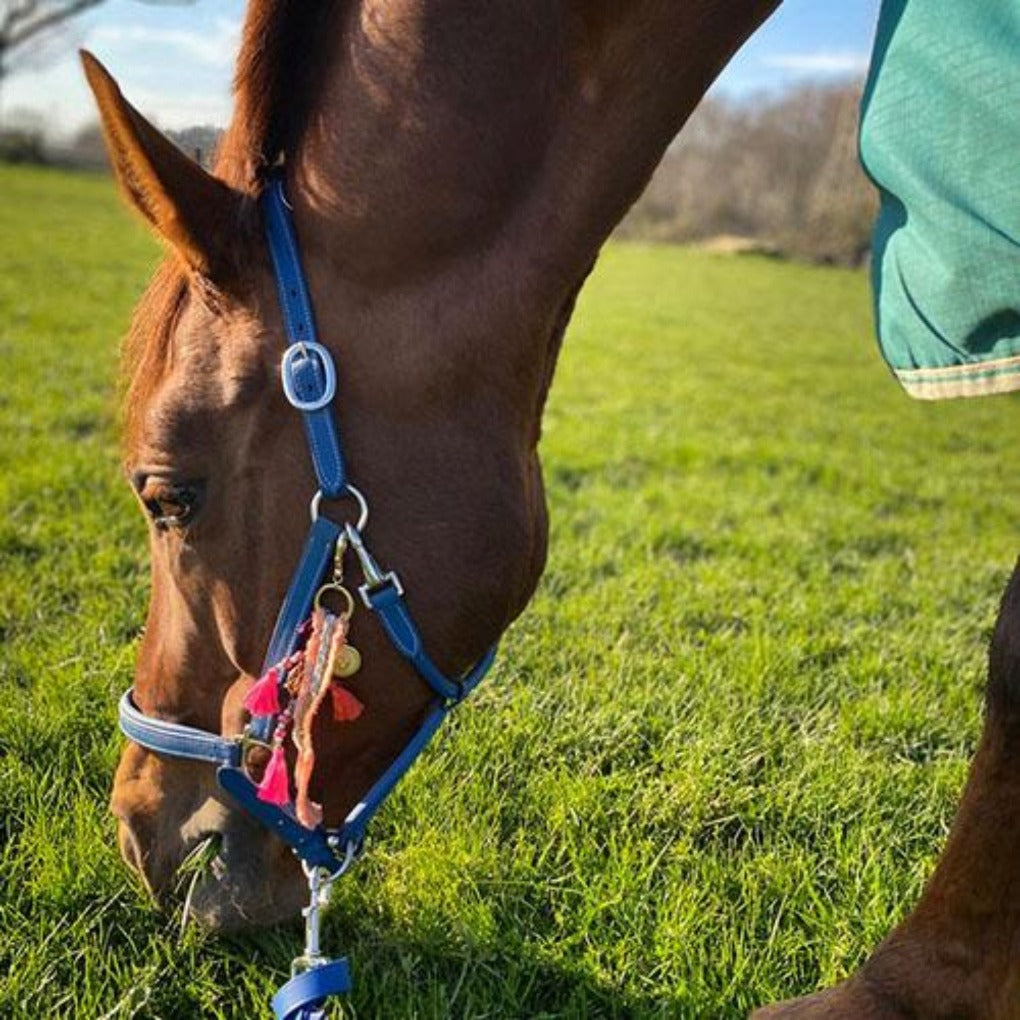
(264, 697)
(275, 786)
(346, 707)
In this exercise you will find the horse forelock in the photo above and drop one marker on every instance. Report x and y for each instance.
(147, 346)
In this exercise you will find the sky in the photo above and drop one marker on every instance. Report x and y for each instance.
(174, 61)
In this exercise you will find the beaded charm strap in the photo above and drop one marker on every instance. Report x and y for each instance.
(293, 690)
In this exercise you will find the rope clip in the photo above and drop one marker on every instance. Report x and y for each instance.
(375, 576)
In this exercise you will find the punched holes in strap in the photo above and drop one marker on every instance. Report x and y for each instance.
(309, 383)
(309, 377)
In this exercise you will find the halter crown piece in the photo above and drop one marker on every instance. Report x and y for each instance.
(310, 383)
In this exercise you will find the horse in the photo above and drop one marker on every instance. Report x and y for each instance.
(453, 170)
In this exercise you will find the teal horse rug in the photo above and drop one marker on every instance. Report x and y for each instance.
(940, 137)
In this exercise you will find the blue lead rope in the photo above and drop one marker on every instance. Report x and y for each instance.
(303, 996)
(310, 384)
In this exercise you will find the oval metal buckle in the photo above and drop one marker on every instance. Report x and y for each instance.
(308, 349)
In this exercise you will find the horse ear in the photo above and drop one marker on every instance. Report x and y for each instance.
(196, 213)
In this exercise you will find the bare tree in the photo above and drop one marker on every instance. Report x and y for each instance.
(25, 21)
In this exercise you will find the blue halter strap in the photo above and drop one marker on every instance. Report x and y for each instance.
(309, 380)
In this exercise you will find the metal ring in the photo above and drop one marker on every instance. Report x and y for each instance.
(342, 592)
(327, 878)
(350, 490)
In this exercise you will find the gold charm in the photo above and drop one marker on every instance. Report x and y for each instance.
(348, 662)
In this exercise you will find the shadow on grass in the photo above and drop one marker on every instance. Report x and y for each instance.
(400, 974)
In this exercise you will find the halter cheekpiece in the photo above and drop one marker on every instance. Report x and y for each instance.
(308, 654)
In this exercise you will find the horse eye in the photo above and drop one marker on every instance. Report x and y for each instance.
(169, 504)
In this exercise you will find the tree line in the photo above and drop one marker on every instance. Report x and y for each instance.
(777, 175)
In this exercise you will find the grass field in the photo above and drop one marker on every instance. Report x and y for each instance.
(719, 752)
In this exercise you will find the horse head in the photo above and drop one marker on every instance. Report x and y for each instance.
(453, 170)
(217, 459)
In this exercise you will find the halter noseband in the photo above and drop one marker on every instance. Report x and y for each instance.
(309, 383)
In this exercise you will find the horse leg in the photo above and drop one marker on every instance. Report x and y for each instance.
(958, 954)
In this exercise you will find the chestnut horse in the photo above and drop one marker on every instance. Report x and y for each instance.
(454, 168)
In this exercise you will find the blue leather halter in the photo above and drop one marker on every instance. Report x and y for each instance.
(310, 382)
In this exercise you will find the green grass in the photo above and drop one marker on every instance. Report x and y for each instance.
(719, 752)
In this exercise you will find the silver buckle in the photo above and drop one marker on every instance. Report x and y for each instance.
(307, 349)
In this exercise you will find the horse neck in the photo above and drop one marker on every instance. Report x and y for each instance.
(483, 152)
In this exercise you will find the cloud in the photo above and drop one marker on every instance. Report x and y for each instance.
(177, 70)
(212, 47)
(181, 110)
(821, 62)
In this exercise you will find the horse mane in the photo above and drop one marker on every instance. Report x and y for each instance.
(276, 72)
